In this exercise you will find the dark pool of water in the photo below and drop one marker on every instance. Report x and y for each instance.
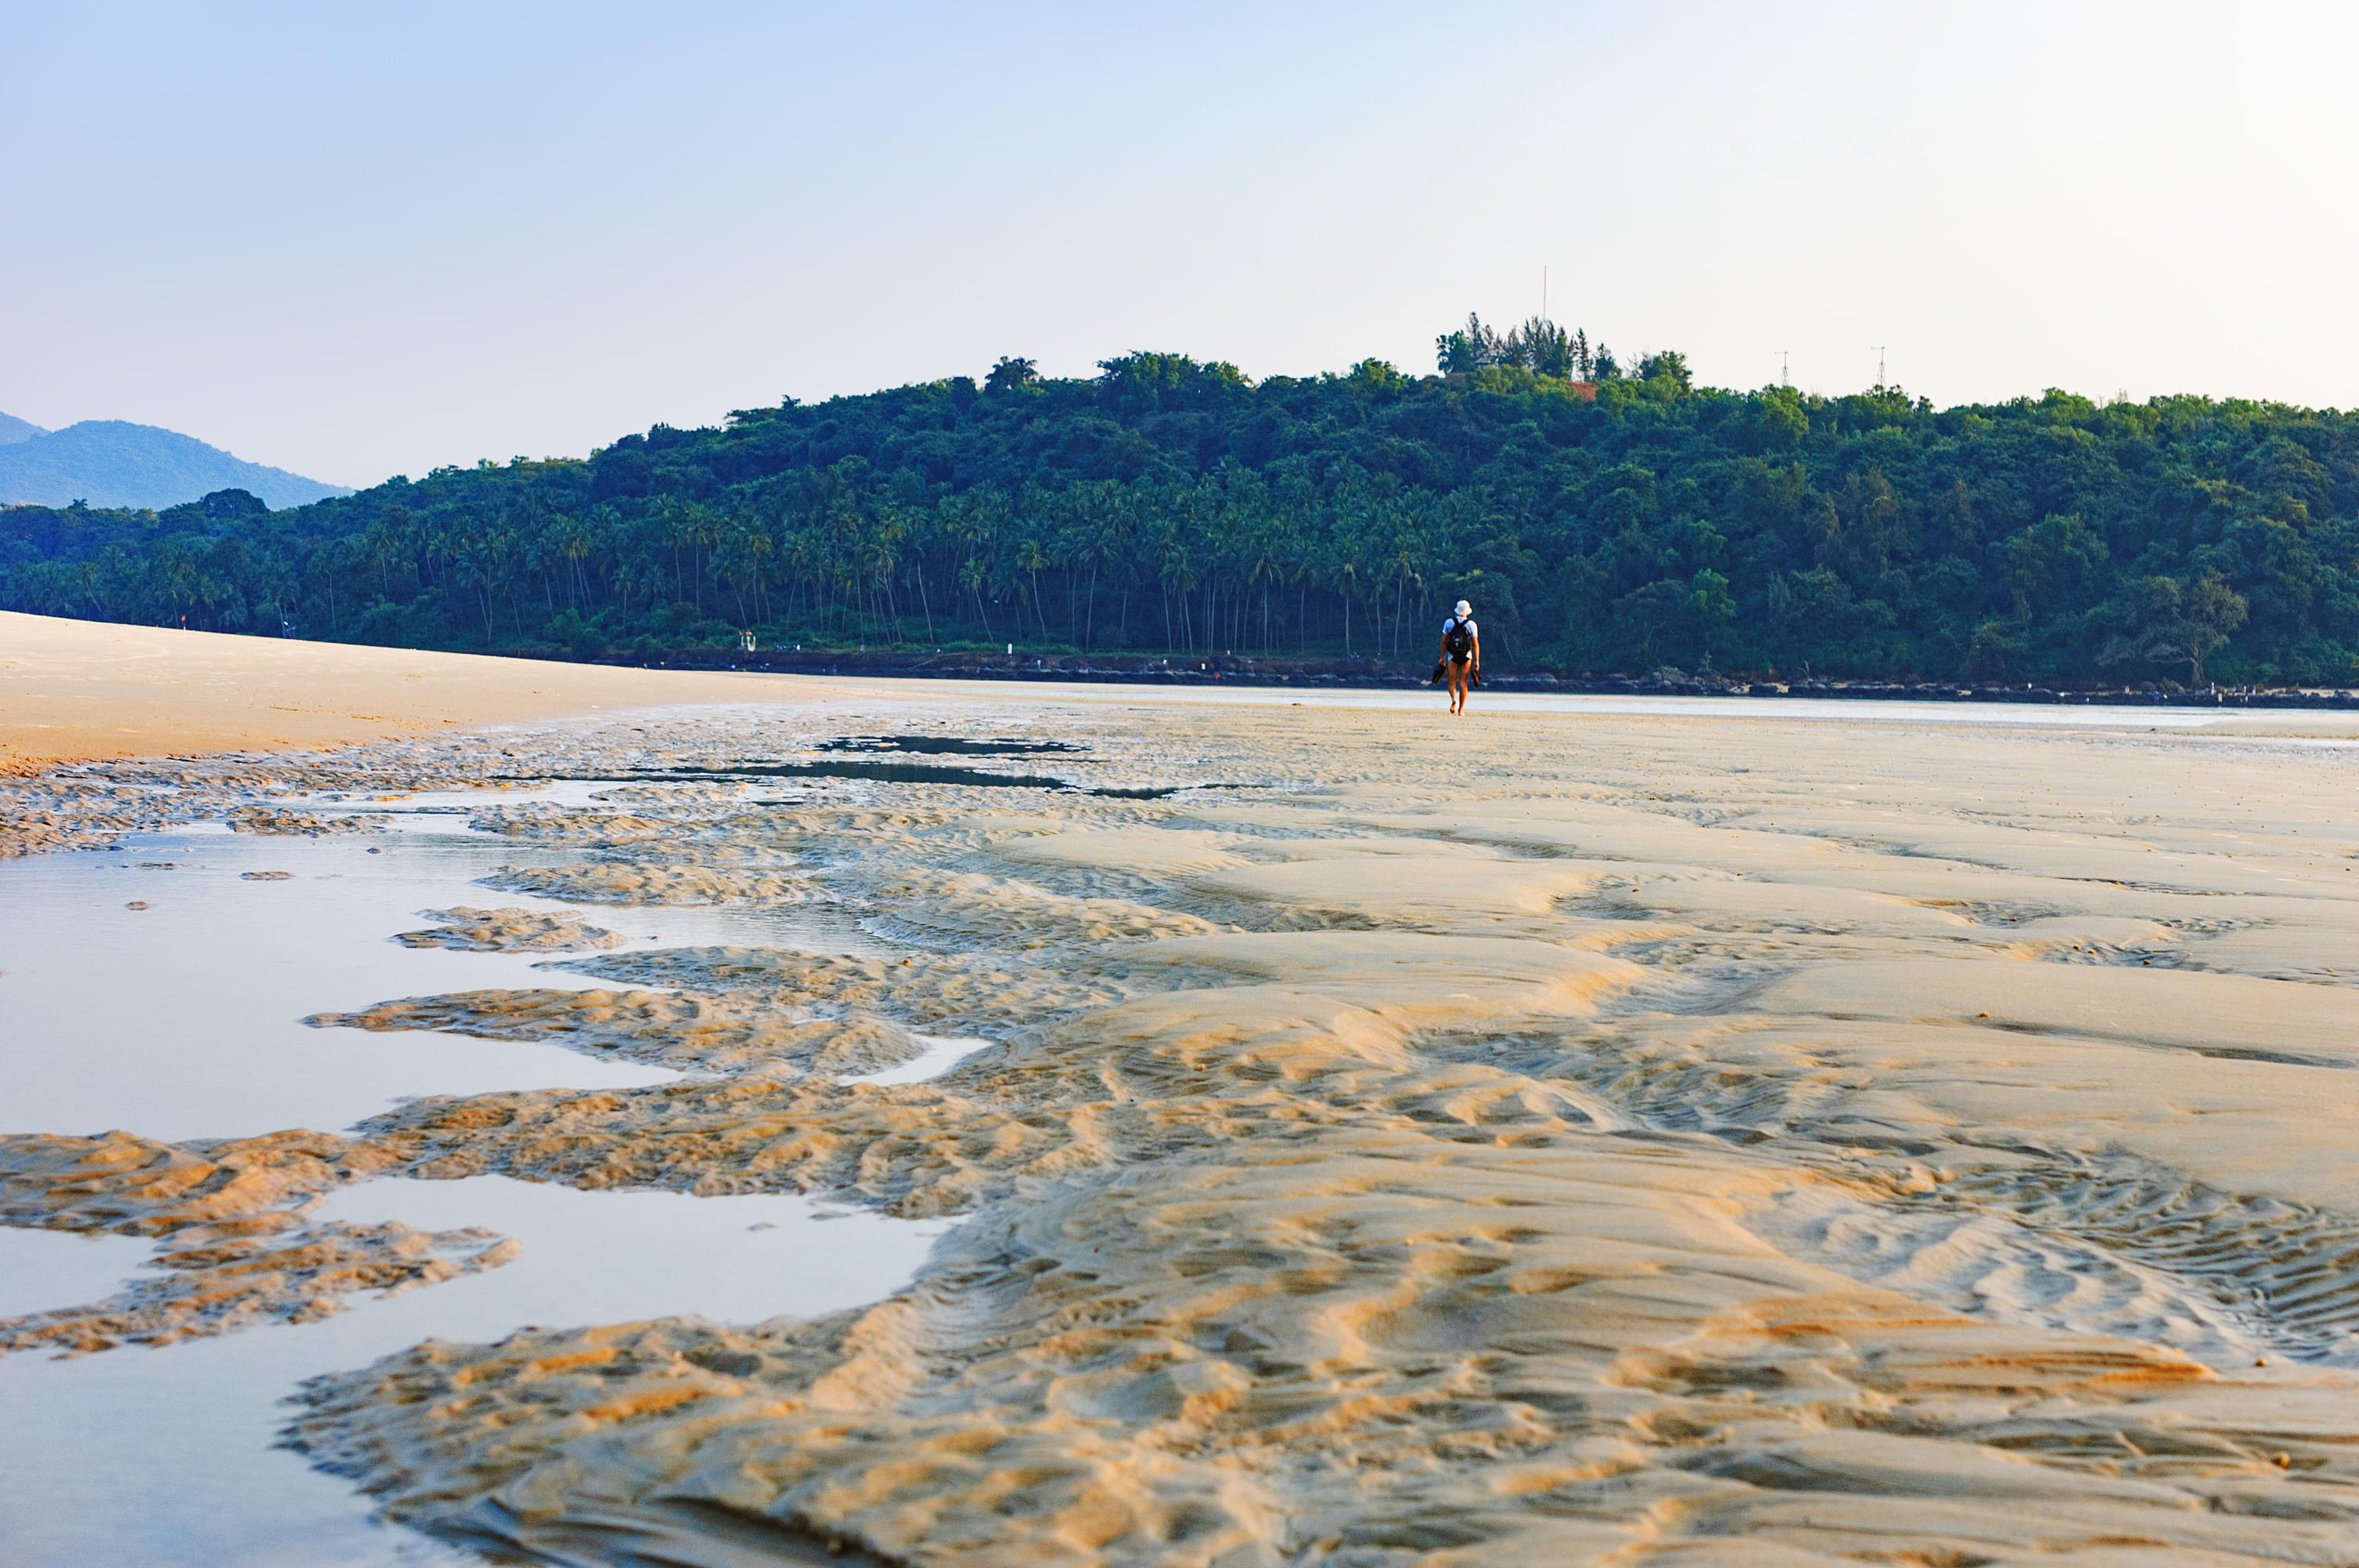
(948, 745)
(899, 772)
(885, 773)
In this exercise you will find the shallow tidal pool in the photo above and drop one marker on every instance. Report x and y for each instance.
(183, 1020)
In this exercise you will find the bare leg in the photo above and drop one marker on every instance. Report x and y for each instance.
(1457, 687)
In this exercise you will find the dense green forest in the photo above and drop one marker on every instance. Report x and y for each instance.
(1601, 518)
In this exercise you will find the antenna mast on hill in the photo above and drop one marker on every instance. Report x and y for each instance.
(1784, 367)
(1544, 315)
(1879, 365)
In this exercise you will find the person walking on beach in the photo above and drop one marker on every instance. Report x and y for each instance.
(1461, 655)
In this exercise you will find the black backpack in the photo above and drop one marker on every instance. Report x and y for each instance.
(1457, 638)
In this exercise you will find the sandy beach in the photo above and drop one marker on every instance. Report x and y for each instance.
(1555, 1137)
(77, 690)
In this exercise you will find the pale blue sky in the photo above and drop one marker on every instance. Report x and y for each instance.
(356, 240)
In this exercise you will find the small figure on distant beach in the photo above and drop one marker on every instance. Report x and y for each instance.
(1460, 659)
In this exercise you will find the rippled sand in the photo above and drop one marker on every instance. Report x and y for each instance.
(1530, 1140)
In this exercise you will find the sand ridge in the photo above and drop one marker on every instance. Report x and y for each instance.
(235, 1244)
(512, 930)
(1677, 1145)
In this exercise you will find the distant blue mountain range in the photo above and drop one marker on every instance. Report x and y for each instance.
(108, 462)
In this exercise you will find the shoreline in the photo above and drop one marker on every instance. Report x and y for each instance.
(76, 692)
(80, 691)
(1372, 674)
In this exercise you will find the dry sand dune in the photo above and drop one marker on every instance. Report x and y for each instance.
(74, 690)
(1622, 1141)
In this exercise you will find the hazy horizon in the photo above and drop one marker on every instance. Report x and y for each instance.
(354, 244)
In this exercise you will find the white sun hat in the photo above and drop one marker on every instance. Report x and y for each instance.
(1464, 609)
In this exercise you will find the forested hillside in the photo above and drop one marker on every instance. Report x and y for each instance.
(1619, 522)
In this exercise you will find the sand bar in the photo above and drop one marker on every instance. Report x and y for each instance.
(75, 690)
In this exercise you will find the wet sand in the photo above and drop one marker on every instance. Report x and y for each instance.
(1549, 1138)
